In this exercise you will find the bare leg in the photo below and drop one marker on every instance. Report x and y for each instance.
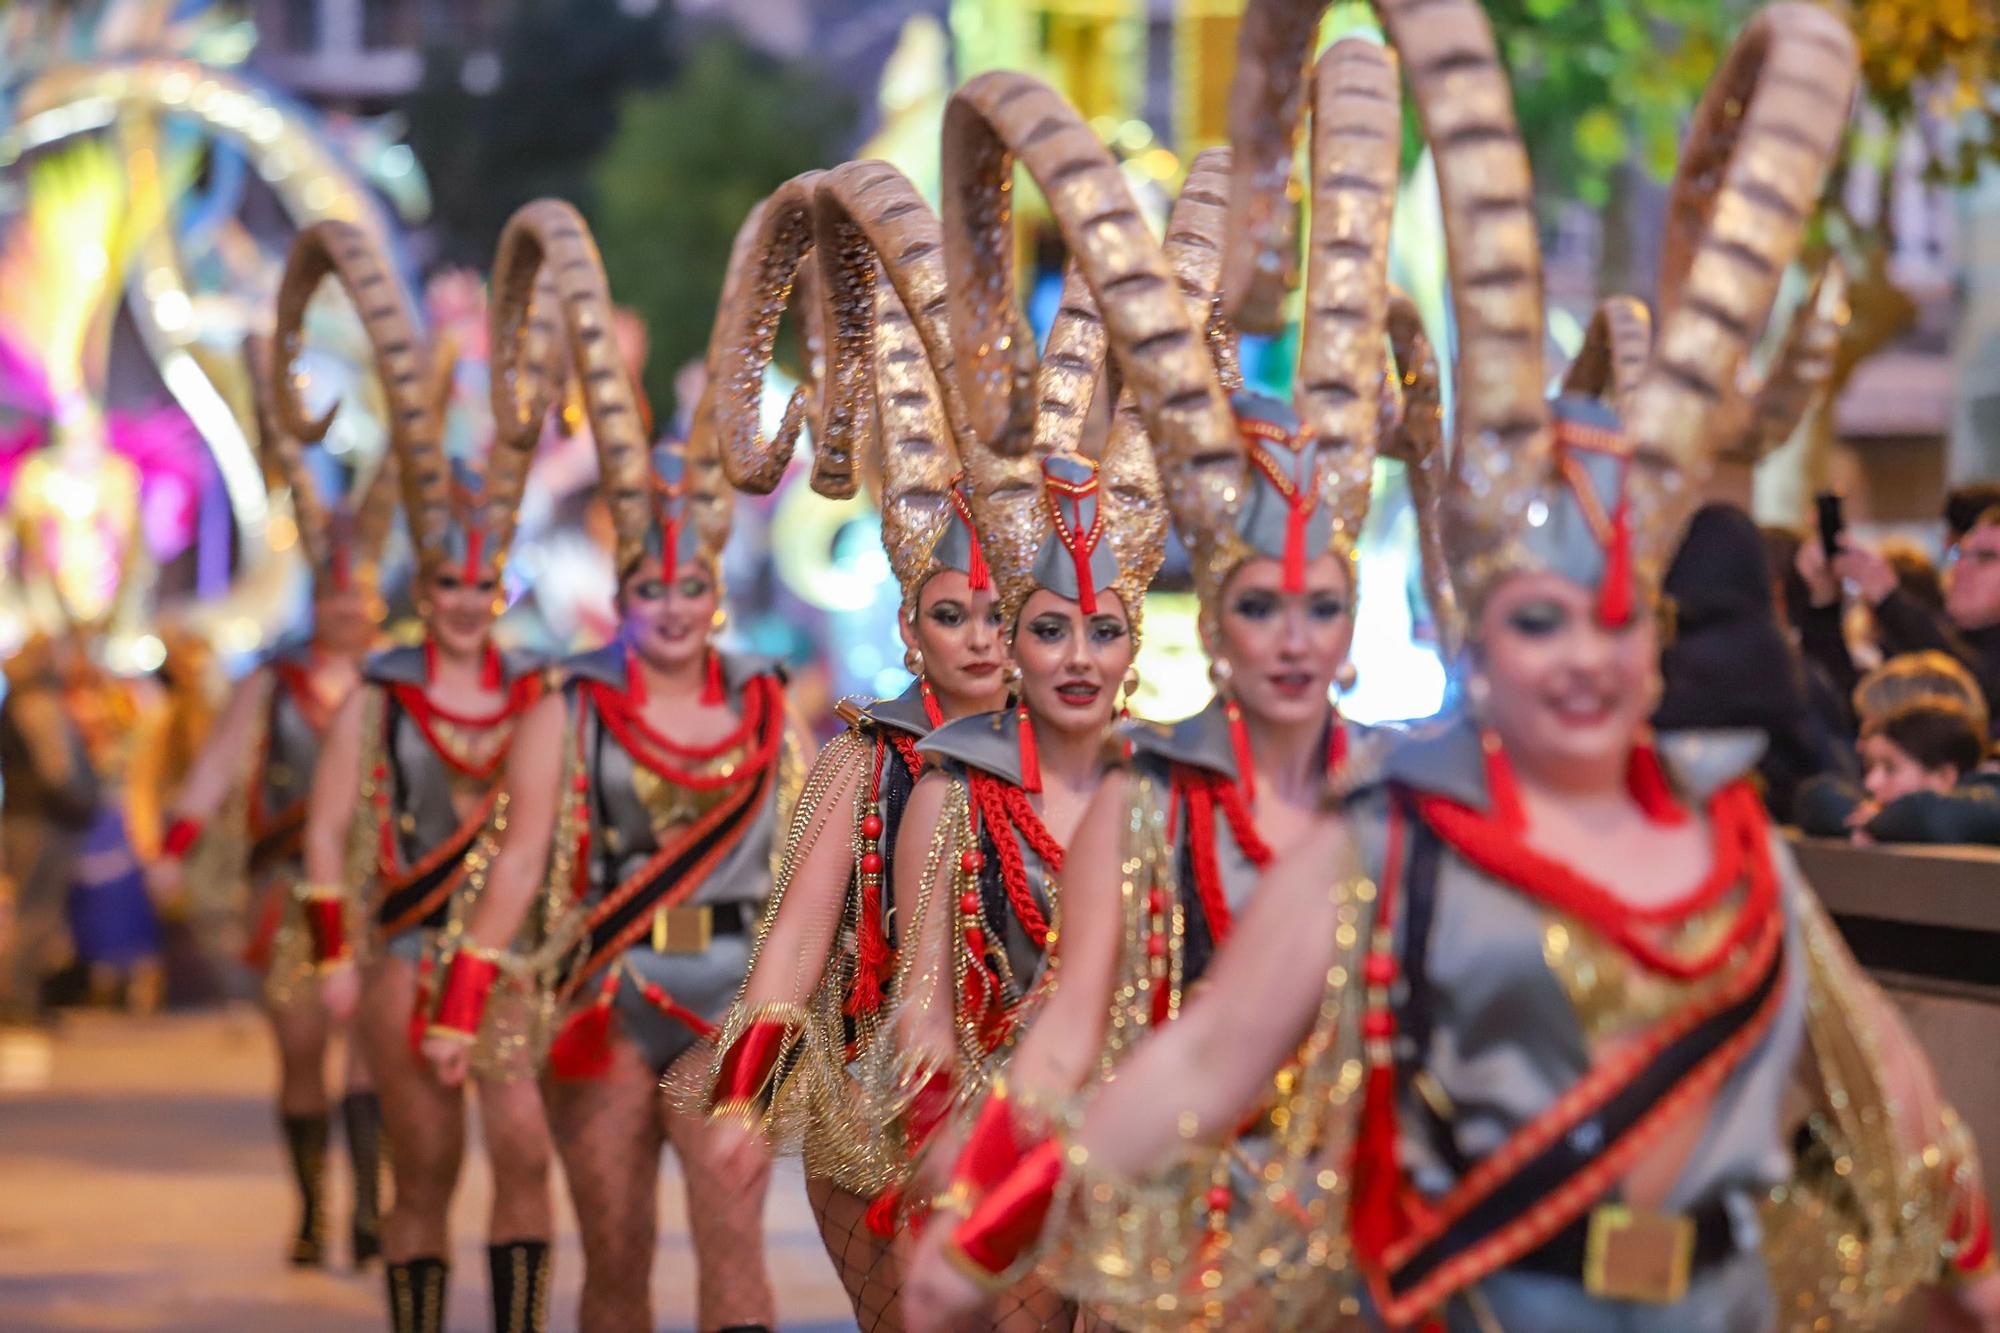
(608, 1133)
(425, 1120)
(300, 1032)
(869, 1267)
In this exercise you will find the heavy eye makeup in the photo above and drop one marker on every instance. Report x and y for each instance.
(1049, 627)
(694, 586)
(1106, 629)
(1537, 620)
(650, 590)
(1256, 605)
(947, 614)
(1327, 607)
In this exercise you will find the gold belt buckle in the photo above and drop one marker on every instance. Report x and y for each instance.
(1632, 1254)
(683, 929)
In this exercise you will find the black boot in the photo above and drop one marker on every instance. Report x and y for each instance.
(416, 1295)
(361, 1112)
(305, 1136)
(520, 1271)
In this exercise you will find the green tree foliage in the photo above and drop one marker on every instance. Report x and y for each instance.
(687, 164)
(564, 66)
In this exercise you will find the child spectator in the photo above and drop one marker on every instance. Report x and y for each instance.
(1921, 781)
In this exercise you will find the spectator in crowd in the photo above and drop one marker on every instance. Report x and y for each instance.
(1729, 663)
(1968, 626)
(1964, 506)
(1913, 676)
(1814, 630)
(51, 797)
(1922, 781)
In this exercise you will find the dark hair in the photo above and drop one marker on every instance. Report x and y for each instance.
(1966, 506)
(1781, 557)
(1937, 733)
(1916, 576)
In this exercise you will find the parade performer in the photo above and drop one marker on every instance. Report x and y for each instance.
(246, 795)
(649, 792)
(812, 1004)
(986, 838)
(1176, 839)
(407, 782)
(1557, 995)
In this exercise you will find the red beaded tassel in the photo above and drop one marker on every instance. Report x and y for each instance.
(490, 677)
(1031, 759)
(871, 946)
(1614, 592)
(583, 1048)
(712, 694)
(1377, 1216)
(1647, 779)
(1502, 792)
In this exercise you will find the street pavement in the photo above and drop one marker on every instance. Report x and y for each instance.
(143, 1188)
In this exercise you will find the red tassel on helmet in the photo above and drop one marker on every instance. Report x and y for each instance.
(490, 677)
(1614, 593)
(1297, 515)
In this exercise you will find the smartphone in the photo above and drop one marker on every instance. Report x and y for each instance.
(1832, 522)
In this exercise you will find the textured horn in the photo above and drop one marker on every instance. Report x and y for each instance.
(1160, 350)
(1616, 347)
(1764, 135)
(746, 335)
(1494, 253)
(1357, 123)
(1766, 413)
(1416, 440)
(351, 256)
(1274, 46)
(1072, 364)
(550, 236)
(286, 456)
(870, 220)
(527, 375)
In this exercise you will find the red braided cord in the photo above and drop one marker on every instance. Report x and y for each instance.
(640, 739)
(999, 815)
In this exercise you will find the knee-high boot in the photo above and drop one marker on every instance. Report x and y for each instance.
(361, 1113)
(520, 1271)
(416, 1295)
(305, 1138)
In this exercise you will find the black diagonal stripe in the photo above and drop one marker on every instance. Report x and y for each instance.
(410, 896)
(1544, 1174)
(604, 934)
(280, 840)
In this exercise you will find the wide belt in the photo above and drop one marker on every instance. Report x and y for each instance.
(1634, 1254)
(690, 930)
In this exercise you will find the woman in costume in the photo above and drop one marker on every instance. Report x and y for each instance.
(811, 1005)
(1173, 845)
(648, 792)
(408, 780)
(253, 773)
(1550, 984)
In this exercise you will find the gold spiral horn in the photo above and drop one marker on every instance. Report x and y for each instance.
(745, 338)
(284, 455)
(529, 375)
(1356, 141)
(1274, 47)
(1766, 132)
(1072, 365)
(1501, 427)
(1416, 440)
(350, 256)
(1763, 413)
(1617, 344)
(549, 236)
(875, 228)
(1161, 351)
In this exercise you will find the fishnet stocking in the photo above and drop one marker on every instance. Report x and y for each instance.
(608, 1133)
(870, 1268)
(725, 1205)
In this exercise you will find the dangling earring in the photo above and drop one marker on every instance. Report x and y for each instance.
(1345, 676)
(1220, 673)
(1011, 676)
(913, 662)
(720, 620)
(1130, 686)
(1477, 693)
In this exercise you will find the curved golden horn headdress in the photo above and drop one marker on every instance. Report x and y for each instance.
(882, 266)
(416, 452)
(1413, 435)
(1617, 344)
(1763, 413)
(766, 267)
(1600, 499)
(1109, 536)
